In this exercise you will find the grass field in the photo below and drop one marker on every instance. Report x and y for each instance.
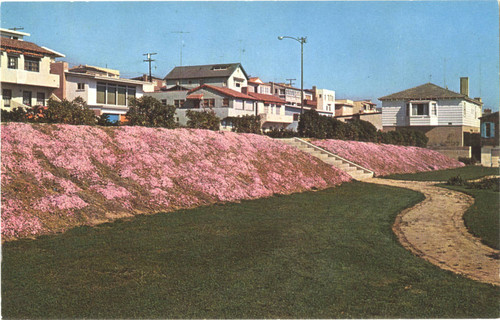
(468, 172)
(325, 254)
(483, 218)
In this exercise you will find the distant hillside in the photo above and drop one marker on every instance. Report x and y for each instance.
(385, 159)
(55, 177)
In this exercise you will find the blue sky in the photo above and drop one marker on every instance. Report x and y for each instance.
(359, 49)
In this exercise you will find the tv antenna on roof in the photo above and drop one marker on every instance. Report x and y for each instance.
(182, 41)
(16, 28)
(290, 80)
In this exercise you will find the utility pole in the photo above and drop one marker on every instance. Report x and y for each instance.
(149, 60)
(290, 80)
(182, 41)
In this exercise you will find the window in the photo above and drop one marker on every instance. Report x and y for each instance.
(419, 109)
(27, 98)
(81, 86)
(434, 109)
(179, 103)
(40, 99)
(6, 96)
(12, 62)
(131, 92)
(31, 64)
(101, 92)
(164, 102)
(296, 116)
(122, 92)
(488, 130)
(238, 84)
(209, 103)
(225, 102)
(111, 97)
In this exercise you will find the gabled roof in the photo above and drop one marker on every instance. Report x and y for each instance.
(225, 91)
(266, 98)
(204, 71)
(25, 46)
(428, 91)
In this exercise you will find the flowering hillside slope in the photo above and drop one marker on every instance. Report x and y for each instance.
(58, 176)
(385, 159)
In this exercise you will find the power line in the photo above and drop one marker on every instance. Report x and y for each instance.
(149, 60)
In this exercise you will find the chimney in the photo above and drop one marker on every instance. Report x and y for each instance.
(464, 86)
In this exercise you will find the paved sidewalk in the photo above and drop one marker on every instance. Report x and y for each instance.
(435, 231)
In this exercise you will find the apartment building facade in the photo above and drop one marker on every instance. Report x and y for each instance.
(25, 67)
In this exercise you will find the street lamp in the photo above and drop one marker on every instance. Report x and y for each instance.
(301, 40)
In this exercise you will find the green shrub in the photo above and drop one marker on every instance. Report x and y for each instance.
(282, 133)
(15, 115)
(456, 181)
(245, 124)
(150, 112)
(467, 160)
(74, 112)
(203, 120)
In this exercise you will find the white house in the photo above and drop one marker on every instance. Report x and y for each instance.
(25, 68)
(103, 89)
(442, 114)
(230, 75)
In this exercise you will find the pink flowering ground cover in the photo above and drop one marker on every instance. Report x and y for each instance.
(55, 177)
(385, 159)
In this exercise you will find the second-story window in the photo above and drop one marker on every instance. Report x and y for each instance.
(209, 103)
(101, 92)
(225, 102)
(12, 62)
(31, 64)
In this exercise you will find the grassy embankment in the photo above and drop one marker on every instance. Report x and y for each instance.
(325, 254)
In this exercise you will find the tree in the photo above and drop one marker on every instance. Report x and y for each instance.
(203, 120)
(245, 124)
(150, 112)
(70, 112)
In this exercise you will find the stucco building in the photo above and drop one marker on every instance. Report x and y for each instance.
(25, 68)
(102, 88)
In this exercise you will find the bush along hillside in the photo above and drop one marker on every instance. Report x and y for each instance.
(385, 159)
(58, 176)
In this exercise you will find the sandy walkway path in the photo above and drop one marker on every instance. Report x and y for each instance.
(435, 231)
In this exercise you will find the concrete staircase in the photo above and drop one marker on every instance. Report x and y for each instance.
(356, 171)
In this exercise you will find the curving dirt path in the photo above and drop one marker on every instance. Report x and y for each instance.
(435, 231)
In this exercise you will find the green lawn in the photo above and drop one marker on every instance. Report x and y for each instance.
(467, 172)
(483, 218)
(325, 254)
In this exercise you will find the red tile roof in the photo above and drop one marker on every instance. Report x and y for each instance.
(266, 98)
(24, 46)
(225, 91)
(195, 96)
